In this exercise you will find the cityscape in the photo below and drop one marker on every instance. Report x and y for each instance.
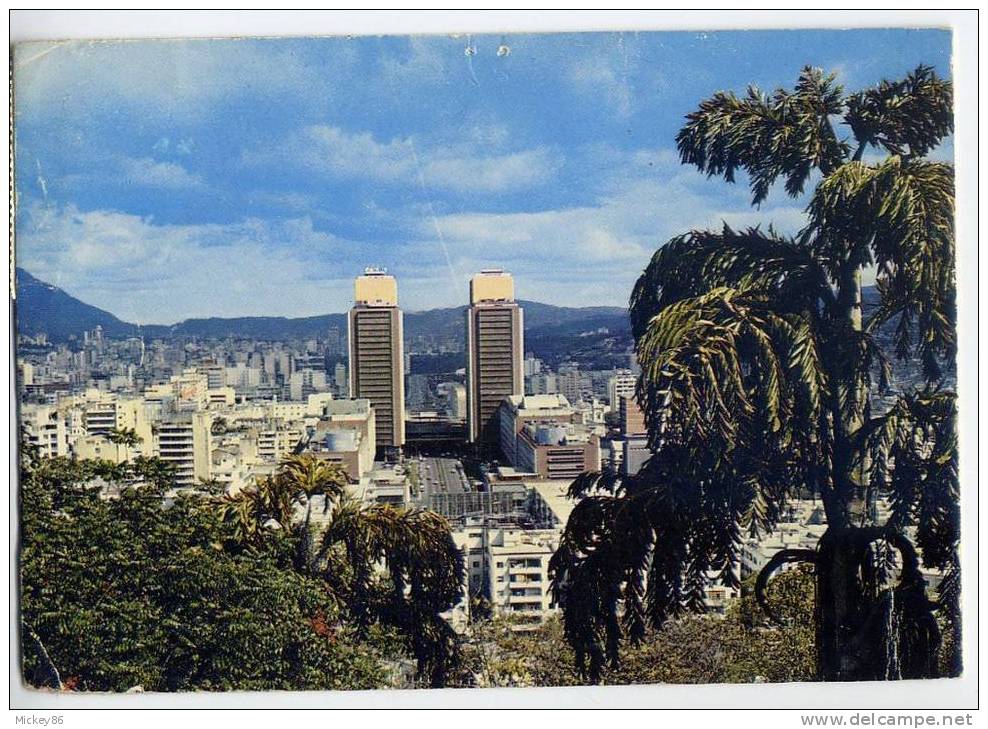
(493, 446)
(473, 362)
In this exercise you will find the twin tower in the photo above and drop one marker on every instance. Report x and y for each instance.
(495, 348)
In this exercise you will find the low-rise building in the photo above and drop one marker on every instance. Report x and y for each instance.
(345, 434)
(44, 428)
(544, 435)
(518, 574)
(277, 438)
(557, 452)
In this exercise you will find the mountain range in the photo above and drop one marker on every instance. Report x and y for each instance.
(42, 307)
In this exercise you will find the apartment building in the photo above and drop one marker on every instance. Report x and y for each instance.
(184, 440)
(518, 575)
(100, 416)
(509, 565)
(44, 428)
(277, 438)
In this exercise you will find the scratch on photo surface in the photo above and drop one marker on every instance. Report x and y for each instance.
(45, 52)
(454, 279)
(470, 51)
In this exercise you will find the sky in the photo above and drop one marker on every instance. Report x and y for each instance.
(164, 180)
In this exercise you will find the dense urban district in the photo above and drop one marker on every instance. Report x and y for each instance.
(476, 415)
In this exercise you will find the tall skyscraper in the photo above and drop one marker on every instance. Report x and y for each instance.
(495, 350)
(376, 357)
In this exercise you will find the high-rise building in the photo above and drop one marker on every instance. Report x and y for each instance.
(495, 347)
(376, 355)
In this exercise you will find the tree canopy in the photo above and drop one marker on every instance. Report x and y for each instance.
(123, 586)
(739, 647)
(760, 374)
(124, 592)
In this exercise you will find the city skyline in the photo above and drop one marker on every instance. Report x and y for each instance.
(343, 313)
(265, 181)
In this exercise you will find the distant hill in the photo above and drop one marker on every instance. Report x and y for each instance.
(45, 308)
(42, 307)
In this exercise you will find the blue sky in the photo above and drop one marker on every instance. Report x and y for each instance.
(163, 180)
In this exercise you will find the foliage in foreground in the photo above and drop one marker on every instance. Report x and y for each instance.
(741, 647)
(118, 593)
(758, 375)
(391, 566)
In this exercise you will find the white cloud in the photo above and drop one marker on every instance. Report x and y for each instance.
(603, 76)
(151, 273)
(333, 152)
(165, 175)
(178, 79)
(109, 170)
(593, 253)
(508, 172)
(579, 255)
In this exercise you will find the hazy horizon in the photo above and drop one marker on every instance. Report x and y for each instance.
(306, 316)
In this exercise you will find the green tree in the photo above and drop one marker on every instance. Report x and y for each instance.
(758, 373)
(393, 566)
(740, 647)
(136, 591)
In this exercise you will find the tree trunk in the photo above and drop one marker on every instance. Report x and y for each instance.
(867, 630)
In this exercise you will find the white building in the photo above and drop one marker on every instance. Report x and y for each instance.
(541, 384)
(305, 382)
(43, 427)
(185, 440)
(518, 574)
(621, 385)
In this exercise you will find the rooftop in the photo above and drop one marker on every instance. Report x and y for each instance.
(553, 493)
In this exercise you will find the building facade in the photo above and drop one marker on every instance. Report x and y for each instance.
(495, 351)
(185, 441)
(377, 357)
(544, 435)
(621, 385)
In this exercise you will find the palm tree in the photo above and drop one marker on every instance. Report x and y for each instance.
(424, 571)
(362, 552)
(124, 436)
(313, 476)
(273, 502)
(758, 384)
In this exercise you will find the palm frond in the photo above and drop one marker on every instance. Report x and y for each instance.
(693, 264)
(899, 216)
(906, 117)
(787, 134)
